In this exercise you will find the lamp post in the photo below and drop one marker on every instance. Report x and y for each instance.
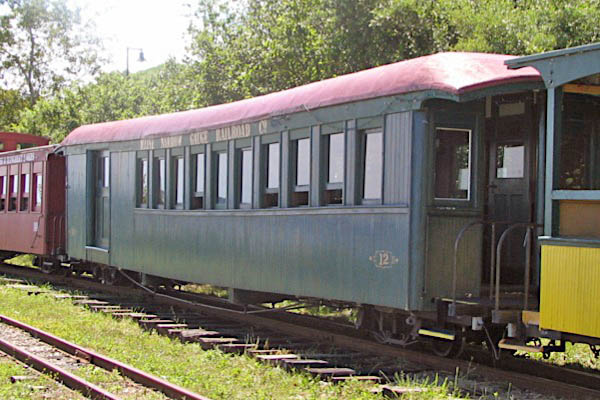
(140, 58)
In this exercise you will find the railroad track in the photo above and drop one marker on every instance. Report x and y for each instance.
(59, 358)
(329, 350)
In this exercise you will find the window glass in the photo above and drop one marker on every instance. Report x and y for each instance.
(200, 173)
(303, 162)
(160, 181)
(246, 192)
(179, 170)
(25, 183)
(106, 175)
(1, 145)
(24, 192)
(12, 188)
(143, 181)
(373, 172)
(273, 166)
(452, 164)
(510, 161)
(38, 185)
(3, 194)
(336, 158)
(222, 178)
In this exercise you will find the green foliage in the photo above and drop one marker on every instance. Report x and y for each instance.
(43, 46)
(261, 46)
(252, 47)
(11, 104)
(111, 97)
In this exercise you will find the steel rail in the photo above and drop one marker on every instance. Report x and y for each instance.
(526, 380)
(107, 363)
(68, 379)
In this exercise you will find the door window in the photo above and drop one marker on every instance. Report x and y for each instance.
(453, 164)
(510, 161)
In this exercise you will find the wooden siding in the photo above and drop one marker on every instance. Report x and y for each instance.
(320, 253)
(570, 283)
(397, 158)
(441, 233)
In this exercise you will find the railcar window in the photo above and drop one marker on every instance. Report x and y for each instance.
(1, 145)
(335, 169)
(3, 194)
(21, 146)
(24, 192)
(104, 171)
(12, 193)
(198, 198)
(271, 197)
(222, 179)
(246, 178)
(452, 164)
(580, 144)
(301, 152)
(160, 182)
(38, 186)
(373, 166)
(142, 182)
(179, 171)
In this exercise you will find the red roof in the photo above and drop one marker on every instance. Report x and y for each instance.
(454, 73)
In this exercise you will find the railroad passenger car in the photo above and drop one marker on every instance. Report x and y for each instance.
(415, 191)
(351, 189)
(15, 141)
(32, 202)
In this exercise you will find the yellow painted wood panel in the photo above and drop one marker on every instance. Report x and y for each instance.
(570, 290)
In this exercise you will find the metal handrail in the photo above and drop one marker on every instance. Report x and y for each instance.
(527, 243)
(493, 249)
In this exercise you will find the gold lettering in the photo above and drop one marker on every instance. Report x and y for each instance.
(234, 132)
(199, 138)
(262, 126)
(146, 144)
(173, 141)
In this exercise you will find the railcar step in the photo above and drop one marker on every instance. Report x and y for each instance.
(516, 345)
(438, 333)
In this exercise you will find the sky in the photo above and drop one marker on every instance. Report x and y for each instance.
(156, 26)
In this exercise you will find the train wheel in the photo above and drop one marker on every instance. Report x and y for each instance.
(448, 348)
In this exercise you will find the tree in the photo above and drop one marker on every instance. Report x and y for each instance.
(44, 46)
(11, 104)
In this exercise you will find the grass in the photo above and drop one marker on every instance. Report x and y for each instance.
(575, 355)
(210, 373)
(38, 387)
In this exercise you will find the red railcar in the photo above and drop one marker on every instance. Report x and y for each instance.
(32, 202)
(16, 141)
